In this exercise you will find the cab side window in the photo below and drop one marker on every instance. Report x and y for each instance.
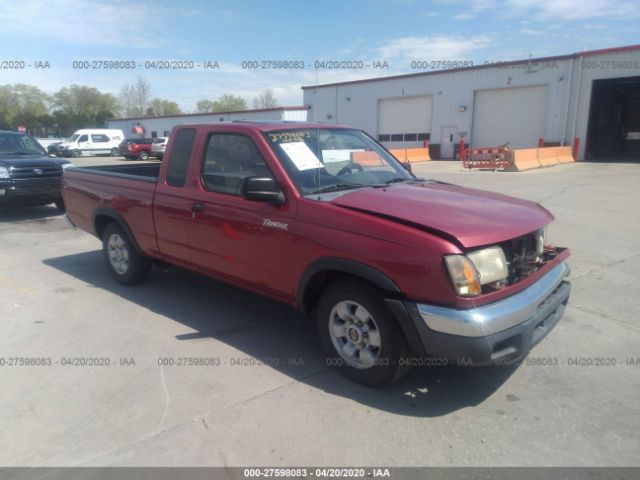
(179, 164)
(83, 138)
(229, 159)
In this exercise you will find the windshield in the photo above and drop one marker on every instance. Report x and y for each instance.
(332, 159)
(18, 144)
(73, 138)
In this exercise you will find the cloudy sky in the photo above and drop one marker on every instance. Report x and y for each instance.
(397, 32)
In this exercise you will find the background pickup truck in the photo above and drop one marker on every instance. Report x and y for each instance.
(394, 268)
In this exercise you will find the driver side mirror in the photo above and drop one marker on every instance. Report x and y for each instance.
(262, 189)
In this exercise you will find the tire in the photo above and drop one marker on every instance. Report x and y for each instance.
(125, 264)
(128, 157)
(76, 153)
(114, 152)
(143, 155)
(352, 315)
(60, 205)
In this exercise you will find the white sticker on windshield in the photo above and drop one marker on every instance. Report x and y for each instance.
(335, 156)
(301, 155)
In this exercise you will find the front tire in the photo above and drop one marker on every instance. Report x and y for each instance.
(125, 264)
(77, 153)
(360, 334)
(143, 155)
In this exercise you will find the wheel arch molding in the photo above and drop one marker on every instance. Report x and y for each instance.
(102, 216)
(317, 274)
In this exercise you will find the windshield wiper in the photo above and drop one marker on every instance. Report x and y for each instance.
(399, 179)
(338, 186)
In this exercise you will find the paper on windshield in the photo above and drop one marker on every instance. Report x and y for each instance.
(334, 156)
(301, 155)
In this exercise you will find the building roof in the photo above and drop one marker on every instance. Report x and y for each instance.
(586, 53)
(182, 115)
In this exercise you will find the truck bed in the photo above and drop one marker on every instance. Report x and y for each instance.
(147, 171)
(125, 189)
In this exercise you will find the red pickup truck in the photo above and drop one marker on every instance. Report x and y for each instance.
(397, 270)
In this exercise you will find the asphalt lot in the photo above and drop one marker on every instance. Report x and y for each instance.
(59, 302)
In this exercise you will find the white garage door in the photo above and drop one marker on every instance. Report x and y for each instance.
(514, 115)
(402, 120)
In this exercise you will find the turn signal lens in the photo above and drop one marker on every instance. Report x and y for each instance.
(464, 275)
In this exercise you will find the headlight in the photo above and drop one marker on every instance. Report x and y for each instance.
(4, 172)
(464, 275)
(491, 264)
(67, 165)
(469, 272)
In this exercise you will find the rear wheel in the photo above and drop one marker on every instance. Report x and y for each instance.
(125, 264)
(360, 334)
(114, 152)
(143, 155)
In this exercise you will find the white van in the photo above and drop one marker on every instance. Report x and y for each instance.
(92, 141)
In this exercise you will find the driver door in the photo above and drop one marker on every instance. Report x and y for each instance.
(248, 242)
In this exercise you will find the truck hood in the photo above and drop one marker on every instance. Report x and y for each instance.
(30, 161)
(469, 217)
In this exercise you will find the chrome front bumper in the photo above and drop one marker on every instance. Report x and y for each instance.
(494, 317)
(502, 332)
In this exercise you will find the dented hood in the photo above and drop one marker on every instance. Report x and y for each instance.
(470, 217)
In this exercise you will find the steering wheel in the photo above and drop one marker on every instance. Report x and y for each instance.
(348, 168)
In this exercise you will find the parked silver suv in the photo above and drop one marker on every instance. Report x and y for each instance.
(158, 147)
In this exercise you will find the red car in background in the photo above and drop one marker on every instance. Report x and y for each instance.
(136, 148)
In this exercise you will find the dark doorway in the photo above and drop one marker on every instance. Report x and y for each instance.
(614, 119)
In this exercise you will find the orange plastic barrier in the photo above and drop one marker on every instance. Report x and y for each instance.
(417, 154)
(366, 158)
(399, 153)
(529, 158)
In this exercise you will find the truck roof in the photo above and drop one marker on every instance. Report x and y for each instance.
(262, 126)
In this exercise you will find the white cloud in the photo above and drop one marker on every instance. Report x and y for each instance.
(88, 22)
(575, 9)
(470, 8)
(434, 47)
(531, 31)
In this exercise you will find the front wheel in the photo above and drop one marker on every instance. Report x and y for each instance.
(143, 155)
(77, 153)
(125, 264)
(360, 334)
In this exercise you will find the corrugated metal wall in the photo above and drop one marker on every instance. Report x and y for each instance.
(568, 83)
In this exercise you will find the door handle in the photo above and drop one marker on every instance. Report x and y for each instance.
(197, 207)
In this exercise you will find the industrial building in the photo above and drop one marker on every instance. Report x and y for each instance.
(592, 95)
(160, 126)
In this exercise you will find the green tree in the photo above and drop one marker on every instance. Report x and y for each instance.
(161, 106)
(265, 100)
(27, 105)
(226, 103)
(78, 106)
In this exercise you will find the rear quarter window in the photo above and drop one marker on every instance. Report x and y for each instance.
(180, 155)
